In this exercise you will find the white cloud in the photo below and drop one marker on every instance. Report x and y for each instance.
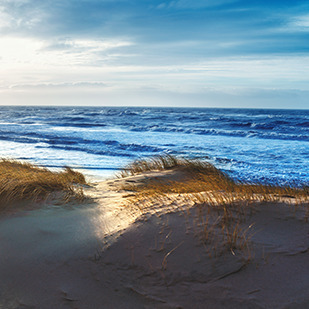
(85, 45)
(226, 74)
(5, 20)
(16, 2)
(82, 84)
(14, 17)
(19, 52)
(73, 69)
(186, 4)
(299, 23)
(161, 6)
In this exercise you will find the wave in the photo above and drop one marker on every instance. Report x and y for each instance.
(15, 134)
(94, 151)
(78, 125)
(122, 150)
(304, 124)
(256, 133)
(126, 133)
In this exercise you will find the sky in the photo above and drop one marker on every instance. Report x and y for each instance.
(201, 53)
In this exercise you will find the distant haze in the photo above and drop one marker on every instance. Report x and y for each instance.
(203, 53)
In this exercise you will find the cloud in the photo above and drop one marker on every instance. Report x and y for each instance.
(188, 4)
(24, 52)
(258, 97)
(85, 45)
(20, 16)
(299, 23)
(222, 27)
(170, 46)
(67, 85)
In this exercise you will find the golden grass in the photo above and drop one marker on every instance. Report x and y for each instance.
(203, 177)
(222, 204)
(24, 181)
(165, 162)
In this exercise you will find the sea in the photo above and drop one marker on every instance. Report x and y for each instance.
(251, 145)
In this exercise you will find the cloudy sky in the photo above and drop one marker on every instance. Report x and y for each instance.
(211, 53)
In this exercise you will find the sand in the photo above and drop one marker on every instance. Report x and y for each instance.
(100, 254)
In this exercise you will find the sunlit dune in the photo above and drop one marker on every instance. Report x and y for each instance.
(159, 236)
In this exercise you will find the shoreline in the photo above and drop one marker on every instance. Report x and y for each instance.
(100, 253)
(114, 137)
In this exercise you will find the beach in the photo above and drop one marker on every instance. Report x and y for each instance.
(154, 154)
(105, 252)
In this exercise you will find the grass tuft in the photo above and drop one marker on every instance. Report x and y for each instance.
(25, 181)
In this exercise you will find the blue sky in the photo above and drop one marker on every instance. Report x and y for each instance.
(222, 53)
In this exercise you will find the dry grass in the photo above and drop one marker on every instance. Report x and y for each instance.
(222, 205)
(24, 181)
(165, 162)
(205, 183)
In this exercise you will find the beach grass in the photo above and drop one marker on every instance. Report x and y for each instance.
(165, 162)
(221, 205)
(21, 181)
(202, 176)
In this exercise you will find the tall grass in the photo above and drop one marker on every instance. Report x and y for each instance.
(200, 176)
(24, 181)
(222, 204)
(165, 162)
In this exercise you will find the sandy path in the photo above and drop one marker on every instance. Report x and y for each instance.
(49, 251)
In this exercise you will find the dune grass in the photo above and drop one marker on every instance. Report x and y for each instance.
(222, 205)
(165, 162)
(20, 181)
(202, 176)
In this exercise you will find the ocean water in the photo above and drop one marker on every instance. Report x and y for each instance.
(249, 144)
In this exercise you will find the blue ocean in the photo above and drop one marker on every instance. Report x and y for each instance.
(251, 145)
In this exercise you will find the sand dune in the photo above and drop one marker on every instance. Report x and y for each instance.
(101, 254)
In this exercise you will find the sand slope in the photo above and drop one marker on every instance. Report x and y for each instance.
(101, 255)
